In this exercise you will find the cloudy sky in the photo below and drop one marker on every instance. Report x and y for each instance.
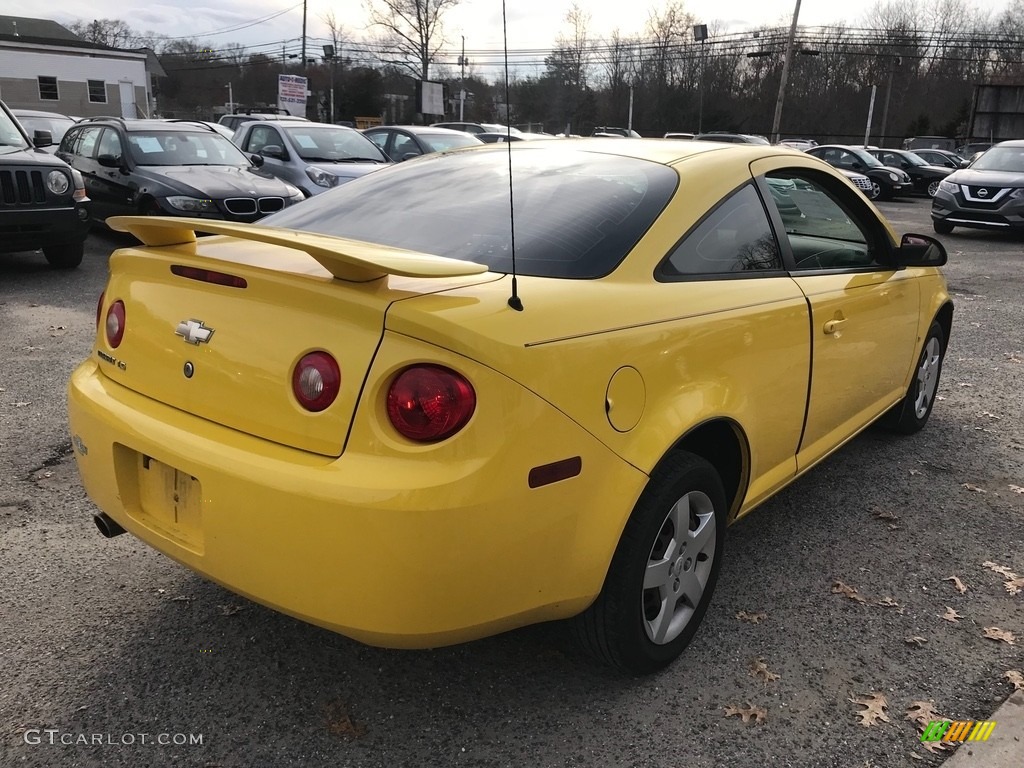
(531, 23)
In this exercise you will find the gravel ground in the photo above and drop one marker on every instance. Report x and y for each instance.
(104, 642)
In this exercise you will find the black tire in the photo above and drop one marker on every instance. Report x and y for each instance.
(912, 412)
(886, 192)
(942, 227)
(623, 625)
(65, 256)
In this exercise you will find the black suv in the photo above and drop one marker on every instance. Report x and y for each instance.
(170, 168)
(42, 200)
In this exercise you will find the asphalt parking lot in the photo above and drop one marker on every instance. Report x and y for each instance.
(839, 588)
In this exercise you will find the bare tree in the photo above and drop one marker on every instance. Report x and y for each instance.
(412, 28)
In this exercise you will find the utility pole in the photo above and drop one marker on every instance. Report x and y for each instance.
(785, 75)
(462, 81)
(871, 112)
(304, 35)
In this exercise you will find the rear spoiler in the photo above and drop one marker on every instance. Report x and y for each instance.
(351, 260)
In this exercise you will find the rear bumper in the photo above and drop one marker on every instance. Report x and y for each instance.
(394, 552)
(27, 229)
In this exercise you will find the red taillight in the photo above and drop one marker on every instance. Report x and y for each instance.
(427, 403)
(316, 381)
(209, 276)
(99, 308)
(115, 323)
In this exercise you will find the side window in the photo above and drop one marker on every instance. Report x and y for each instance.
(404, 146)
(259, 137)
(821, 224)
(87, 143)
(380, 138)
(735, 237)
(110, 143)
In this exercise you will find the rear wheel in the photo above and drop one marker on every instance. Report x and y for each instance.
(942, 227)
(912, 412)
(65, 256)
(663, 572)
(876, 190)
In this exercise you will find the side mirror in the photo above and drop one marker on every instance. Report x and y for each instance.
(408, 156)
(257, 160)
(273, 150)
(42, 139)
(109, 161)
(920, 251)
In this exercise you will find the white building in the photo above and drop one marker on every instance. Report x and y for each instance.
(46, 66)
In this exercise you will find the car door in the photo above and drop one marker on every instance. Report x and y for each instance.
(111, 193)
(82, 156)
(260, 139)
(864, 312)
(382, 138)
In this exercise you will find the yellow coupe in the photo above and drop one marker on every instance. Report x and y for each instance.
(437, 403)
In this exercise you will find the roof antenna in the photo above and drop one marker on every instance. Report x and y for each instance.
(513, 300)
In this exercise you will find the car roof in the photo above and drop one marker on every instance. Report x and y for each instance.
(38, 113)
(424, 129)
(149, 125)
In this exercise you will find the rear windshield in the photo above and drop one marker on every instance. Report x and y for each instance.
(577, 214)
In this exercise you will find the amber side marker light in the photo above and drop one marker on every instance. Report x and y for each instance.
(546, 474)
(209, 276)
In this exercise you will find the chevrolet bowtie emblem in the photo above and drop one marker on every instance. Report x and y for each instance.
(194, 332)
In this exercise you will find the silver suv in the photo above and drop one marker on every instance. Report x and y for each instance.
(312, 156)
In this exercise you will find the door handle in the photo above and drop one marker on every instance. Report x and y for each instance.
(833, 326)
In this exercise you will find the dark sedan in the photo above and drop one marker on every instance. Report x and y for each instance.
(886, 182)
(404, 142)
(926, 177)
(988, 195)
(170, 169)
(943, 158)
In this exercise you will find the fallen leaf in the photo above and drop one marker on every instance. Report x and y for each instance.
(340, 722)
(883, 514)
(915, 640)
(21, 404)
(1002, 570)
(748, 713)
(887, 602)
(972, 487)
(1014, 488)
(1014, 586)
(915, 755)
(990, 415)
(922, 713)
(1000, 635)
(915, 472)
(231, 610)
(180, 599)
(874, 709)
(959, 585)
(751, 618)
(839, 588)
(759, 669)
(1015, 677)
(951, 615)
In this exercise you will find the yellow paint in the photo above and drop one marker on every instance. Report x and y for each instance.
(336, 519)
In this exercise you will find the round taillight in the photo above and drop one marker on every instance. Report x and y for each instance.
(316, 381)
(115, 323)
(427, 403)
